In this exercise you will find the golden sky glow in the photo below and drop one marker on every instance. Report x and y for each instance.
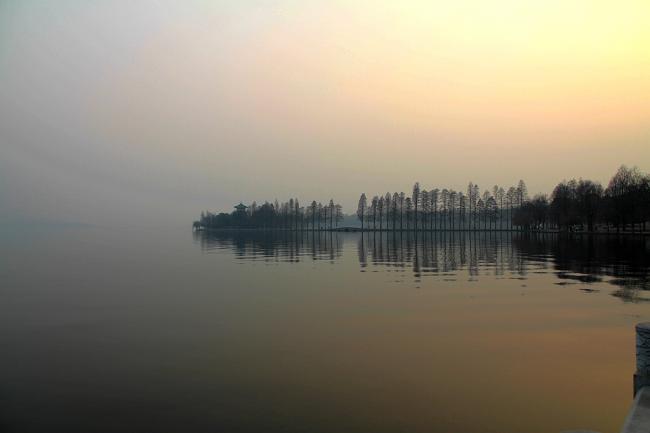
(347, 96)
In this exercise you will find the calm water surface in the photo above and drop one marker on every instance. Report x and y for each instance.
(107, 330)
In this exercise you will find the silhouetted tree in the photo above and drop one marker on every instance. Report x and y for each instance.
(361, 209)
(444, 203)
(452, 197)
(416, 201)
(486, 210)
(470, 198)
(338, 212)
(522, 193)
(563, 205)
(319, 211)
(574, 205)
(409, 211)
(510, 199)
(314, 211)
(500, 195)
(477, 212)
(373, 209)
(402, 204)
(434, 206)
(491, 211)
(643, 199)
(387, 209)
(287, 215)
(625, 195)
(480, 209)
(462, 209)
(589, 197)
(532, 214)
(395, 208)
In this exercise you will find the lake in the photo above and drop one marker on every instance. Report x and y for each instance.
(119, 330)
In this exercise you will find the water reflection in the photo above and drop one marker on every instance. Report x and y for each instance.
(456, 256)
(274, 246)
(295, 332)
(624, 261)
(446, 253)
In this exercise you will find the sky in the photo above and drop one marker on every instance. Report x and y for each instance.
(132, 113)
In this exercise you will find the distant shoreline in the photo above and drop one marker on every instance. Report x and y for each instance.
(364, 230)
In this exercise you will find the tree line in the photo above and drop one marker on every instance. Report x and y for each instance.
(288, 215)
(579, 205)
(443, 209)
(574, 205)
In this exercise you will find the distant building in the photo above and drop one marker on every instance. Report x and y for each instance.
(241, 207)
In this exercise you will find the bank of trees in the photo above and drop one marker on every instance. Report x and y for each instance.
(575, 205)
(443, 209)
(289, 215)
(584, 205)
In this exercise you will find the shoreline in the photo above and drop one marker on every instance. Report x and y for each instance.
(365, 230)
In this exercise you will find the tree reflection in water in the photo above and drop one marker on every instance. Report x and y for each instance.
(623, 261)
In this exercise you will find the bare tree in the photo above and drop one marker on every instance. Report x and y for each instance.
(511, 197)
(402, 204)
(387, 209)
(312, 213)
(474, 200)
(453, 197)
(491, 211)
(338, 214)
(395, 208)
(522, 193)
(480, 209)
(589, 195)
(470, 198)
(444, 204)
(416, 201)
(426, 208)
(409, 211)
(500, 194)
(373, 210)
(296, 213)
(320, 215)
(434, 206)
(486, 198)
(625, 194)
(462, 208)
(361, 208)
(380, 212)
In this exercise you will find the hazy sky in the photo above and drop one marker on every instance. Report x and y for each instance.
(121, 112)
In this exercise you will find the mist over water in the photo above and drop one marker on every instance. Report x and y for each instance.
(145, 330)
(122, 122)
(145, 114)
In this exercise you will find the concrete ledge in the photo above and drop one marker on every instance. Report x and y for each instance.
(638, 420)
